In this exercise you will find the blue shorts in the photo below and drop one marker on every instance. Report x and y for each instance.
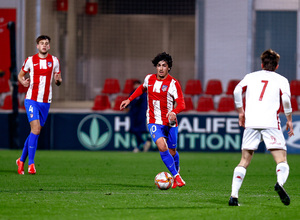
(36, 111)
(170, 133)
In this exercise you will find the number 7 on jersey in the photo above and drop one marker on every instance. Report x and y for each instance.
(263, 90)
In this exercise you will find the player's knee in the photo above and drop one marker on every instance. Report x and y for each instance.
(36, 130)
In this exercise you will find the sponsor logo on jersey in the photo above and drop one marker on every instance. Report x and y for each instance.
(164, 88)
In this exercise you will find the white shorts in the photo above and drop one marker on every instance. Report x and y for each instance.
(273, 139)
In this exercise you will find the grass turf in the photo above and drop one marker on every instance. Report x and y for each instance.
(120, 185)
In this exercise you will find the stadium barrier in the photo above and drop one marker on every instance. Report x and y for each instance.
(110, 131)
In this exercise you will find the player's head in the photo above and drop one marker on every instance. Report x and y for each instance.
(165, 57)
(136, 84)
(270, 60)
(43, 44)
(42, 37)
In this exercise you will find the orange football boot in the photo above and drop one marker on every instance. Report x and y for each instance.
(31, 169)
(20, 165)
(178, 181)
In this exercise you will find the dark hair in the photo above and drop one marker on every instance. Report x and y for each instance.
(163, 56)
(42, 37)
(270, 60)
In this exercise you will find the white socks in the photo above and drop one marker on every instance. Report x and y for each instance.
(237, 180)
(282, 171)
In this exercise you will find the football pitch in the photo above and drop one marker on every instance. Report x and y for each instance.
(120, 185)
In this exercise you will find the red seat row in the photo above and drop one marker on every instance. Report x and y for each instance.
(213, 87)
(206, 104)
(112, 86)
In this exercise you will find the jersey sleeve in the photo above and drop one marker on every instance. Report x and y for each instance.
(139, 91)
(238, 92)
(56, 65)
(26, 65)
(176, 92)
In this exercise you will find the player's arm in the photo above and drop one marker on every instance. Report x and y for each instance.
(287, 107)
(179, 101)
(139, 91)
(238, 99)
(57, 78)
(22, 80)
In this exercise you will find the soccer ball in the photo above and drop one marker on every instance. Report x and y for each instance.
(163, 180)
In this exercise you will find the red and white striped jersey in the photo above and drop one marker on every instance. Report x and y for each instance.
(162, 95)
(41, 71)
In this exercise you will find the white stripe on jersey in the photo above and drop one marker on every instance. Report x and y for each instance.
(41, 88)
(157, 112)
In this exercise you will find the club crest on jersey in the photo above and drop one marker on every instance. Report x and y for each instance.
(164, 88)
(49, 64)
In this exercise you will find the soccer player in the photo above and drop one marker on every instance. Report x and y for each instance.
(264, 89)
(137, 114)
(165, 101)
(42, 67)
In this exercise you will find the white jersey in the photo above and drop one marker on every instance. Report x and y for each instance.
(263, 91)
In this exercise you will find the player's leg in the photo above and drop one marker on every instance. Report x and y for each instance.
(20, 161)
(32, 144)
(239, 172)
(282, 171)
(172, 144)
(165, 155)
(158, 136)
(275, 143)
(251, 140)
(25, 151)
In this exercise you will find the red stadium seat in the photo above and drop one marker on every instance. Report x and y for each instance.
(188, 103)
(101, 102)
(118, 101)
(4, 85)
(231, 85)
(226, 104)
(294, 103)
(111, 86)
(214, 87)
(205, 104)
(21, 88)
(295, 87)
(128, 87)
(7, 104)
(193, 87)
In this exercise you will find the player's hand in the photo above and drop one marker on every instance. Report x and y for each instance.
(172, 118)
(58, 79)
(289, 126)
(242, 119)
(25, 82)
(124, 104)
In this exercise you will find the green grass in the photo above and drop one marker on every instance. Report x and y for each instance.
(120, 185)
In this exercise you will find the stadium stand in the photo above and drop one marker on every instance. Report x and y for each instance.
(128, 87)
(231, 85)
(118, 101)
(226, 104)
(193, 87)
(111, 86)
(101, 102)
(189, 106)
(295, 87)
(7, 104)
(205, 104)
(214, 87)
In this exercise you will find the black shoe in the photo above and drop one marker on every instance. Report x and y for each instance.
(233, 201)
(285, 199)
